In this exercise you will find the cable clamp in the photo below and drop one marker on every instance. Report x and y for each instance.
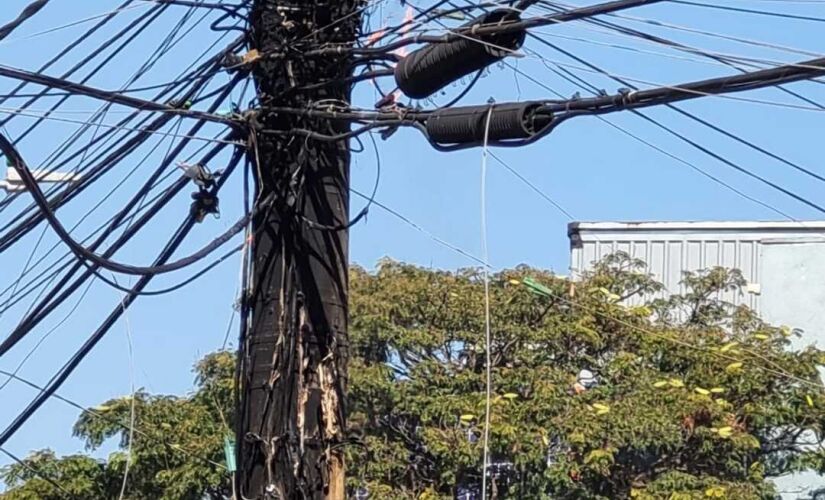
(199, 173)
(180, 104)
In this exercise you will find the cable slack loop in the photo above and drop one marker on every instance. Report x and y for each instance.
(429, 69)
(84, 254)
(462, 127)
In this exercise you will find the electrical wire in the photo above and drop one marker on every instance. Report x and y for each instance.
(102, 416)
(696, 145)
(69, 366)
(112, 154)
(741, 10)
(28, 12)
(37, 472)
(85, 254)
(89, 212)
(419, 228)
(49, 117)
(488, 334)
(495, 29)
(116, 154)
(46, 336)
(77, 89)
(71, 24)
(711, 34)
(693, 166)
(532, 186)
(56, 296)
(132, 412)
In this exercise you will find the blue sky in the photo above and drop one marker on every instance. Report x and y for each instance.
(593, 170)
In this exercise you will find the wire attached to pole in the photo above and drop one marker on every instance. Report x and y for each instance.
(487, 323)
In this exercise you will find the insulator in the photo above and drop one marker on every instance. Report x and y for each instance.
(433, 67)
(468, 123)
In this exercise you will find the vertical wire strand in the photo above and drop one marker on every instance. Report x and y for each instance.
(487, 323)
(132, 401)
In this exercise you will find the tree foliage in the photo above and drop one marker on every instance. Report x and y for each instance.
(694, 397)
(176, 453)
(690, 396)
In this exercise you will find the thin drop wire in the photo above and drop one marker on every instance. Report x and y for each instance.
(488, 336)
(130, 349)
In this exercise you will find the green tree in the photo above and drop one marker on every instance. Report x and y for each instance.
(690, 397)
(176, 453)
(693, 397)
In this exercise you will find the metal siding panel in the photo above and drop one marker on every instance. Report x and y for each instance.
(757, 274)
(639, 250)
(587, 255)
(695, 256)
(575, 260)
(727, 259)
(729, 255)
(710, 257)
(712, 254)
(673, 272)
(657, 264)
(671, 248)
(605, 249)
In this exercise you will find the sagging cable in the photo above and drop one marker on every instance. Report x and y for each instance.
(7, 148)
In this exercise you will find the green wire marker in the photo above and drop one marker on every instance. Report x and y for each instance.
(229, 453)
(537, 288)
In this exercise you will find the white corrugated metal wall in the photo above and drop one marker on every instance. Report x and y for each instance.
(784, 264)
(668, 254)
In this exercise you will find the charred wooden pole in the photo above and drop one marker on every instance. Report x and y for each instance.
(294, 356)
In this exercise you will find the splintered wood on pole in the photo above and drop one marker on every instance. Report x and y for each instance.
(294, 357)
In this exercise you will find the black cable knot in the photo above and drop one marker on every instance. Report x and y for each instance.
(205, 203)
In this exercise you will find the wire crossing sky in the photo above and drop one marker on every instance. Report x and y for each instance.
(131, 95)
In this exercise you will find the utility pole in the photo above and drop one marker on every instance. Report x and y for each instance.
(294, 358)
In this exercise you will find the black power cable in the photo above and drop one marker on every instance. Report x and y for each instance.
(743, 10)
(56, 296)
(736, 65)
(111, 97)
(477, 31)
(112, 156)
(28, 12)
(146, 19)
(71, 46)
(48, 305)
(82, 252)
(111, 132)
(37, 472)
(66, 370)
(678, 135)
(103, 416)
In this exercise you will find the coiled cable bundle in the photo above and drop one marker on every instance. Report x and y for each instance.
(431, 68)
(467, 124)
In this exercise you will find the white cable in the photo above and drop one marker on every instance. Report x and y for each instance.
(132, 384)
(114, 127)
(420, 229)
(545, 60)
(688, 29)
(72, 23)
(487, 329)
